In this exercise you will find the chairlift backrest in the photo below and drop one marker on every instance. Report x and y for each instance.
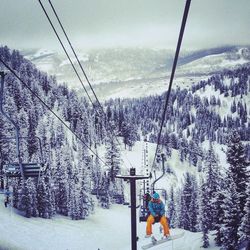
(29, 169)
(12, 170)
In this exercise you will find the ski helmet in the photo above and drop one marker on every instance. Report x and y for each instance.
(156, 196)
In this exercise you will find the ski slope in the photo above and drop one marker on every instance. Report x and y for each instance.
(107, 229)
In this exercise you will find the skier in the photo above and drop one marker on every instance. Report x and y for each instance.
(157, 214)
(6, 201)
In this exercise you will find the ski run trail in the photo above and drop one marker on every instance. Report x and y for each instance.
(106, 229)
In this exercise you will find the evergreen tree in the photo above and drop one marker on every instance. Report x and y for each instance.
(231, 216)
(189, 204)
(194, 208)
(205, 216)
(96, 174)
(103, 194)
(112, 157)
(45, 203)
(238, 163)
(61, 192)
(245, 224)
(15, 197)
(32, 141)
(211, 186)
(73, 204)
(219, 209)
(129, 134)
(27, 201)
(172, 209)
(83, 185)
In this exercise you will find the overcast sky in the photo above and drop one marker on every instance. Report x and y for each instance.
(151, 23)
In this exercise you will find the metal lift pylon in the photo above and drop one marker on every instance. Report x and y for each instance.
(132, 178)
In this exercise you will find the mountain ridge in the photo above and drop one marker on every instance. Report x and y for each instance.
(138, 71)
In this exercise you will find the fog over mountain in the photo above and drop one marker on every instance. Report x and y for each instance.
(99, 23)
(136, 72)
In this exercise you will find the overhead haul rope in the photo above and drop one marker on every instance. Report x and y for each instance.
(183, 24)
(46, 105)
(81, 67)
(73, 50)
(65, 51)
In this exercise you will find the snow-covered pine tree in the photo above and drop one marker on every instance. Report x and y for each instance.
(83, 184)
(231, 215)
(33, 189)
(129, 134)
(45, 203)
(112, 158)
(15, 197)
(27, 200)
(193, 152)
(178, 208)
(194, 207)
(189, 204)
(86, 204)
(244, 230)
(73, 204)
(3, 150)
(183, 149)
(113, 161)
(61, 187)
(172, 216)
(32, 141)
(238, 168)
(51, 197)
(219, 215)
(103, 194)
(211, 186)
(96, 174)
(205, 215)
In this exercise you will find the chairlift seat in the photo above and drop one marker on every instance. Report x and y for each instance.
(12, 170)
(143, 214)
(98, 192)
(29, 170)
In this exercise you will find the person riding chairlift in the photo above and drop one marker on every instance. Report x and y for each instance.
(157, 214)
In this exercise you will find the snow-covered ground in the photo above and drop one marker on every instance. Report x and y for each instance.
(107, 229)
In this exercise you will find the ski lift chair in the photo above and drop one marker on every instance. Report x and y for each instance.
(14, 169)
(19, 169)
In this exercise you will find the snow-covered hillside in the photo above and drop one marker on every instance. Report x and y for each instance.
(106, 229)
(215, 62)
(205, 139)
(138, 72)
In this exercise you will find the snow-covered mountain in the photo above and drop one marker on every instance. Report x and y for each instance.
(199, 122)
(63, 233)
(136, 72)
(214, 62)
